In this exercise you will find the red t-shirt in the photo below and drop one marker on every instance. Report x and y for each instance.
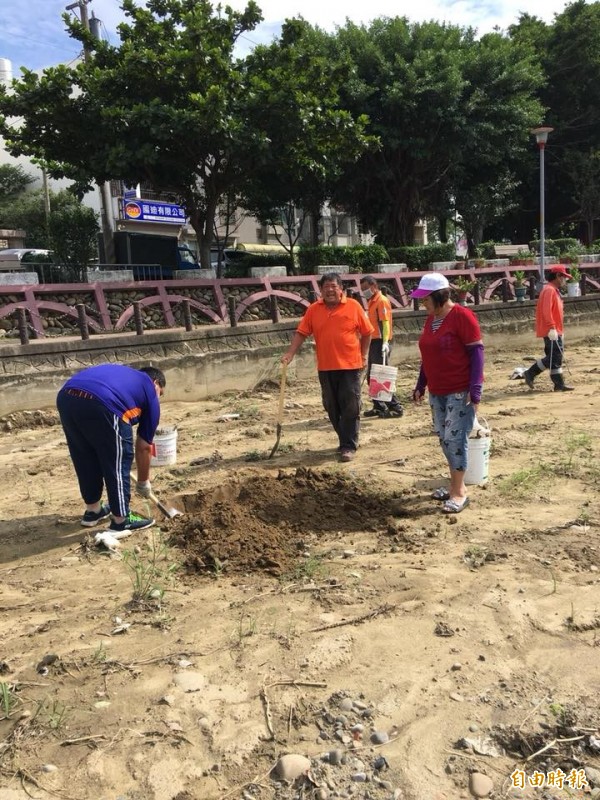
(444, 354)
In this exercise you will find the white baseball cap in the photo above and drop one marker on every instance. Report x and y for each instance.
(430, 283)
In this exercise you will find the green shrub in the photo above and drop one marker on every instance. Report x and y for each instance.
(239, 263)
(359, 258)
(419, 257)
(554, 247)
(487, 249)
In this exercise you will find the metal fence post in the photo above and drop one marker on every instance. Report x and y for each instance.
(476, 293)
(82, 321)
(583, 284)
(23, 327)
(505, 290)
(137, 316)
(232, 319)
(274, 308)
(187, 316)
(532, 280)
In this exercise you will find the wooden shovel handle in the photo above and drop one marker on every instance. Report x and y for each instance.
(281, 393)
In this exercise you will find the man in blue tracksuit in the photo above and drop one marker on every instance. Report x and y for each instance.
(98, 407)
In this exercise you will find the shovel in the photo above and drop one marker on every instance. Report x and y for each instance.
(168, 511)
(280, 410)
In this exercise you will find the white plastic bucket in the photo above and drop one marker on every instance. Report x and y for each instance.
(165, 445)
(478, 460)
(382, 382)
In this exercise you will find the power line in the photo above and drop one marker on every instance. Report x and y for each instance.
(243, 36)
(106, 33)
(37, 41)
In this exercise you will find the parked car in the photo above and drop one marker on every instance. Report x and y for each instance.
(15, 259)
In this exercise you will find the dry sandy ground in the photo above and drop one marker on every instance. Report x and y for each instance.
(188, 663)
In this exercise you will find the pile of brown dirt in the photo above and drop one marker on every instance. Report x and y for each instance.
(22, 420)
(264, 523)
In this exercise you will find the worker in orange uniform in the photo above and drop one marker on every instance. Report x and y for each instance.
(380, 317)
(342, 333)
(549, 325)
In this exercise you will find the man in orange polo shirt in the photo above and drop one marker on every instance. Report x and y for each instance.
(380, 317)
(342, 333)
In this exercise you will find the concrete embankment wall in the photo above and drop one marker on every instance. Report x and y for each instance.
(211, 360)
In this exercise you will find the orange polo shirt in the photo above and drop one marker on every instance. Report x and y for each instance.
(549, 311)
(337, 333)
(380, 309)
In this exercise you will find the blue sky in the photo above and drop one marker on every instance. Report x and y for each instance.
(32, 33)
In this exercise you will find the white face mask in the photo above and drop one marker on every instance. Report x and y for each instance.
(368, 293)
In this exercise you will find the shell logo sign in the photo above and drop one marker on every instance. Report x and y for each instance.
(133, 211)
(153, 211)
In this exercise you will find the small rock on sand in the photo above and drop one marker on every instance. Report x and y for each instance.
(291, 766)
(480, 785)
(379, 737)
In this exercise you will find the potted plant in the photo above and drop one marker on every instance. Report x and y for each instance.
(573, 287)
(520, 287)
(463, 286)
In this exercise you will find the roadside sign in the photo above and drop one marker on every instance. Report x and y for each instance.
(153, 211)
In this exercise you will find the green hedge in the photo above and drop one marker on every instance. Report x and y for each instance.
(359, 258)
(419, 257)
(554, 247)
(239, 264)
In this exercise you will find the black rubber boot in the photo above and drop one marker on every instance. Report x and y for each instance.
(377, 411)
(560, 385)
(531, 373)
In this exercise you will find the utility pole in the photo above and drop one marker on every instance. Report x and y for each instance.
(85, 20)
(106, 212)
(46, 201)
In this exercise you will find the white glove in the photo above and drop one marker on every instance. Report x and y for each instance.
(106, 539)
(553, 334)
(385, 349)
(143, 489)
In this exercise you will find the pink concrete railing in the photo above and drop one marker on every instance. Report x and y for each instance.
(114, 307)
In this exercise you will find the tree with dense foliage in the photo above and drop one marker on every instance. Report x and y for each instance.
(309, 138)
(13, 182)
(408, 81)
(27, 212)
(74, 234)
(584, 171)
(172, 106)
(452, 113)
(70, 230)
(500, 108)
(164, 106)
(569, 55)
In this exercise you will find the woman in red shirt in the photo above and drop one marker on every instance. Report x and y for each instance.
(452, 370)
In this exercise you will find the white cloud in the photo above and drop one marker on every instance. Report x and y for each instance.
(33, 34)
(483, 15)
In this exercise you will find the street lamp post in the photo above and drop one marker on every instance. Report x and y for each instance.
(541, 137)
